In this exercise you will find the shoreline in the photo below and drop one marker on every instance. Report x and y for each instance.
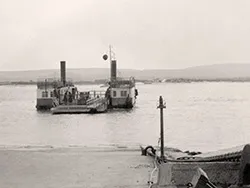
(65, 148)
(146, 82)
(74, 168)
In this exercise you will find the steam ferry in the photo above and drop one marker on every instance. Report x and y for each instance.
(61, 96)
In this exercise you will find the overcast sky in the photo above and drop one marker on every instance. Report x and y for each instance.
(37, 34)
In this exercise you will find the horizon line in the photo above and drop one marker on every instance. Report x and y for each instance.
(28, 70)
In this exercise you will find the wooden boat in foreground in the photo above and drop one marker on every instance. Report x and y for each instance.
(223, 168)
(176, 169)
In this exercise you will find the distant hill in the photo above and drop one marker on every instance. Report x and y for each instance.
(219, 71)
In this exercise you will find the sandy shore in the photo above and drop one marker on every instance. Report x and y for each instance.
(73, 168)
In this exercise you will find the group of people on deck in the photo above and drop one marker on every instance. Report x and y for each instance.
(69, 97)
(66, 96)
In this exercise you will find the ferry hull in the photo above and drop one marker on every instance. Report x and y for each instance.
(96, 105)
(78, 109)
(44, 103)
(122, 103)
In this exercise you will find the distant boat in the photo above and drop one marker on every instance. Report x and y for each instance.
(148, 82)
(139, 83)
(104, 85)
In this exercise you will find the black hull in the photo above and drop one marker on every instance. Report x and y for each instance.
(44, 104)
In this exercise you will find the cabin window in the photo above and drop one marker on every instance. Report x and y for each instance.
(51, 94)
(114, 93)
(45, 94)
(124, 93)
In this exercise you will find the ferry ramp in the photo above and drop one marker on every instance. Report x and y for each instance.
(92, 105)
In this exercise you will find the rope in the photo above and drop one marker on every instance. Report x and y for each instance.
(156, 163)
(150, 182)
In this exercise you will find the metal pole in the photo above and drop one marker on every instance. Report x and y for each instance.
(161, 106)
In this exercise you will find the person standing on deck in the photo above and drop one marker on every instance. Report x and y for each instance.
(73, 93)
(70, 97)
(65, 98)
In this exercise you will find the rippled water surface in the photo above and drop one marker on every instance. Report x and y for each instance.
(199, 116)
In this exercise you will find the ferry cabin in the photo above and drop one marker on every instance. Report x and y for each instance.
(122, 94)
(45, 94)
(122, 97)
(50, 93)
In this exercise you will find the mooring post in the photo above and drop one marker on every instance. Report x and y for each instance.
(161, 106)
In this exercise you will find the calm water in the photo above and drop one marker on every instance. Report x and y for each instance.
(199, 116)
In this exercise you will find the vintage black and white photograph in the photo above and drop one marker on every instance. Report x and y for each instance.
(124, 94)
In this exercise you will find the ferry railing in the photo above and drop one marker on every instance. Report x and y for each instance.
(55, 102)
(90, 98)
(52, 79)
(125, 78)
(52, 82)
(123, 82)
(94, 103)
(96, 93)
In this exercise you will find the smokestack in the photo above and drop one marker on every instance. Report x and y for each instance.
(63, 72)
(113, 70)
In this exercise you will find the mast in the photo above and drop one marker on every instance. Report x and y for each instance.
(112, 61)
(113, 68)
